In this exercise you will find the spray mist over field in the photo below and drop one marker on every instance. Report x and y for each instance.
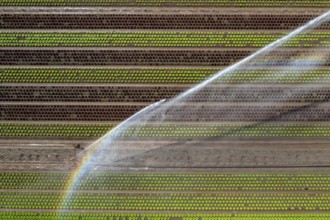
(275, 92)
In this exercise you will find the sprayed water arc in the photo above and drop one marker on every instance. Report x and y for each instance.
(310, 25)
(178, 110)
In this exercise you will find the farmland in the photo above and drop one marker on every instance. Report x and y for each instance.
(253, 144)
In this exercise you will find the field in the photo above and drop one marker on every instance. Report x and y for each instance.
(253, 145)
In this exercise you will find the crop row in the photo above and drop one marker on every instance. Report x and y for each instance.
(159, 75)
(173, 201)
(158, 39)
(111, 75)
(164, 3)
(202, 57)
(168, 182)
(255, 21)
(54, 130)
(132, 216)
(154, 93)
(228, 130)
(178, 112)
(165, 130)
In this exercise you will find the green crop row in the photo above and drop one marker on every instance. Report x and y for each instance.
(54, 130)
(176, 131)
(166, 201)
(227, 130)
(168, 182)
(134, 216)
(158, 39)
(182, 3)
(103, 75)
(159, 75)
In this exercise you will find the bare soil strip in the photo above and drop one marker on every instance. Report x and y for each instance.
(242, 123)
(139, 67)
(197, 104)
(280, 32)
(36, 18)
(202, 49)
(229, 171)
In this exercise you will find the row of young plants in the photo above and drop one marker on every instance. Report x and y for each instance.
(168, 182)
(159, 39)
(160, 75)
(167, 201)
(54, 130)
(176, 131)
(163, 216)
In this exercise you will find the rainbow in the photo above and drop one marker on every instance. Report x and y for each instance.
(83, 166)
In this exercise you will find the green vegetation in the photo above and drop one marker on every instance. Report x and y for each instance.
(288, 76)
(54, 130)
(182, 3)
(168, 182)
(135, 216)
(160, 192)
(176, 131)
(228, 130)
(173, 201)
(158, 39)
(159, 75)
(105, 75)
